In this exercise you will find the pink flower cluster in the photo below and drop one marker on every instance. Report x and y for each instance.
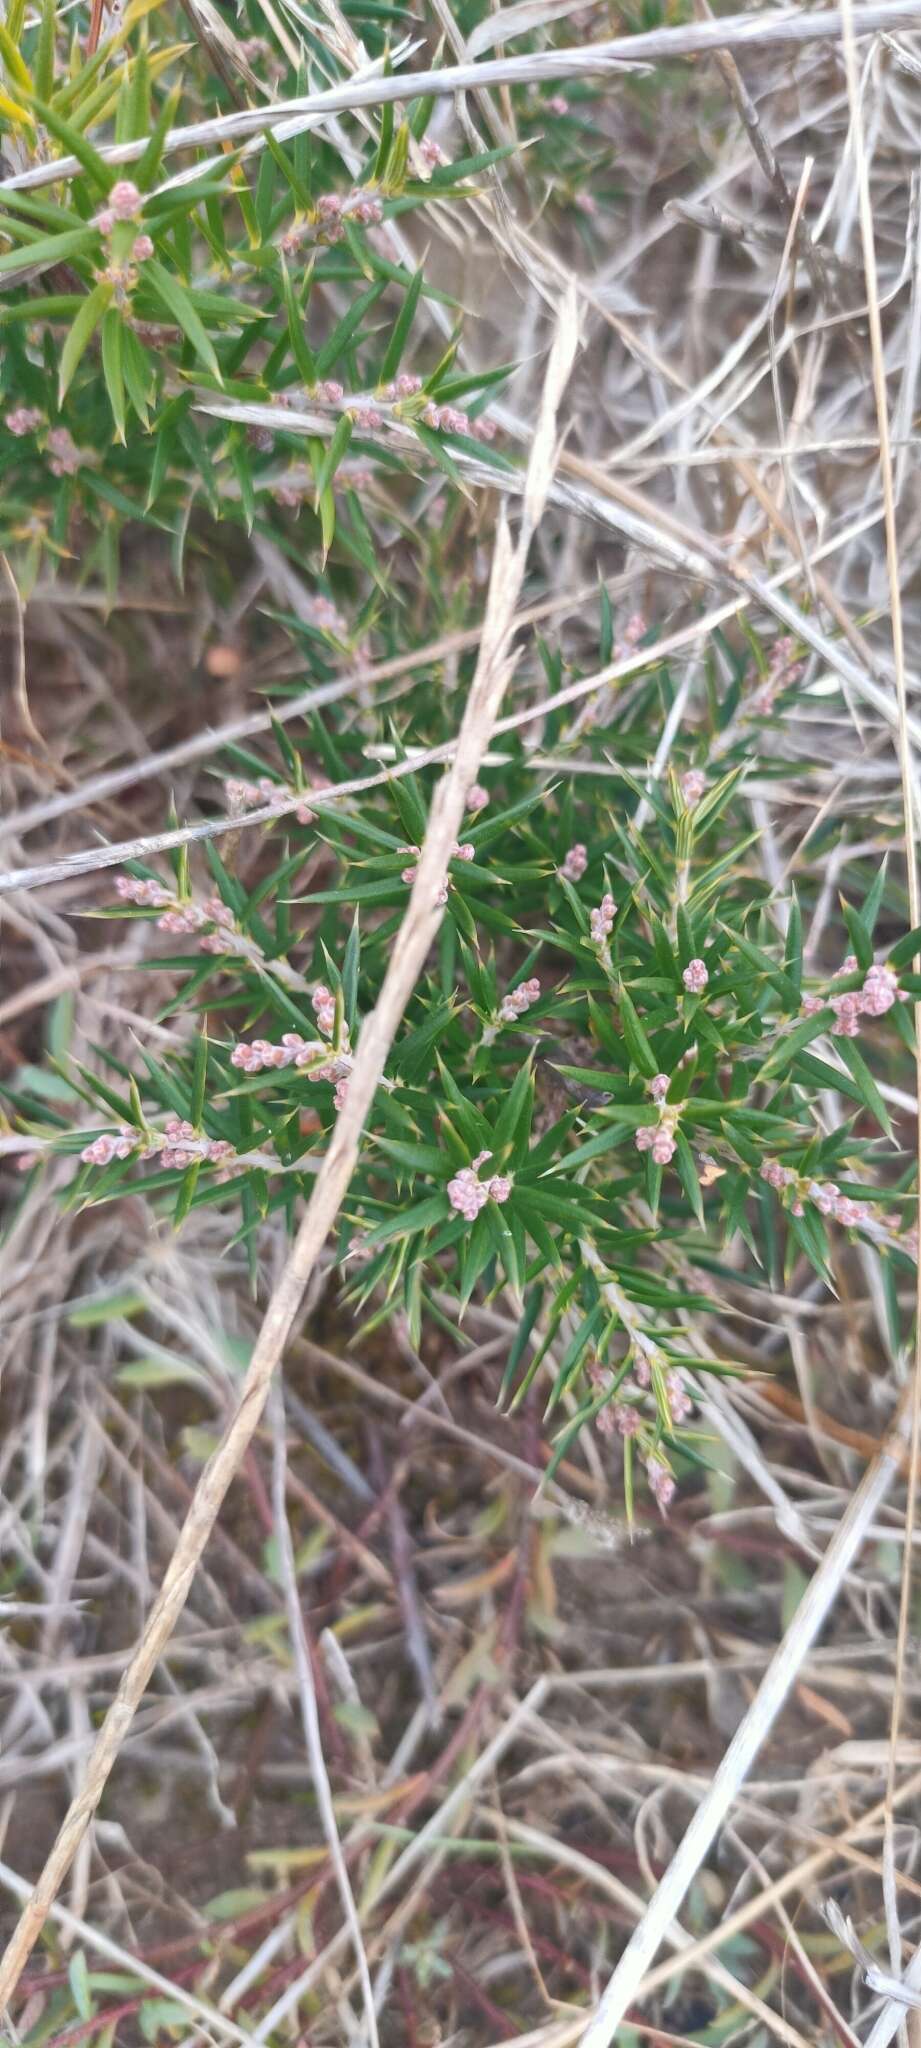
(661, 1484)
(66, 457)
(880, 990)
(431, 151)
(321, 612)
(242, 796)
(366, 418)
(827, 1198)
(151, 894)
(477, 798)
(24, 419)
(181, 917)
(111, 1145)
(177, 1146)
(695, 977)
(329, 390)
(314, 1054)
(519, 1000)
(601, 921)
(468, 1194)
(634, 631)
(680, 1404)
(124, 203)
(450, 420)
(693, 784)
(463, 850)
(332, 211)
(404, 386)
(324, 1007)
(783, 670)
(657, 1139)
(574, 863)
(322, 1061)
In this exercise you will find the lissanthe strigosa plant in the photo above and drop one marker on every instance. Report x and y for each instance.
(607, 1091)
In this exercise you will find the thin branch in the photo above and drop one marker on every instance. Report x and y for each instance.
(308, 1702)
(622, 53)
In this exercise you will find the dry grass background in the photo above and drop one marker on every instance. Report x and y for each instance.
(519, 1712)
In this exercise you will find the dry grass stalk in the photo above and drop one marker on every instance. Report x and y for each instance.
(419, 928)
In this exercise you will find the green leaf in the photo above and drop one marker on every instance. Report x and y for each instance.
(296, 314)
(342, 333)
(105, 1308)
(47, 249)
(161, 1371)
(906, 950)
(15, 65)
(870, 1096)
(793, 955)
(333, 455)
(175, 298)
(78, 1977)
(638, 1045)
(687, 1172)
(72, 140)
(515, 1115)
(572, 1357)
(793, 1043)
(422, 1216)
(199, 1075)
(43, 68)
(112, 336)
(400, 334)
(532, 1308)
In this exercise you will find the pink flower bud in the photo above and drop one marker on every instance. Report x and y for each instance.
(573, 864)
(601, 921)
(659, 1087)
(324, 1005)
(142, 248)
(124, 199)
(680, 1405)
(695, 977)
(466, 1194)
(847, 1009)
(661, 1484)
(477, 798)
(519, 1000)
(24, 419)
(65, 455)
(693, 784)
